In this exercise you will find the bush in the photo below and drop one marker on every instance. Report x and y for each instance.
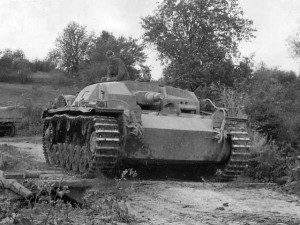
(269, 162)
(274, 105)
(32, 123)
(92, 74)
(234, 102)
(266, 165)
(41, 66)
(55, 77)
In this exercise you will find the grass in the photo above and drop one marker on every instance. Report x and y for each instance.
(35, 97)
(39, 94)
(268, 164)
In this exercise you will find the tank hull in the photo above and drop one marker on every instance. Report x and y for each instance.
(173, 138)
(114, 122)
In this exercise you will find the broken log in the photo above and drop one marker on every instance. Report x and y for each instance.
(29, 174)
(81, 183)
(58, 179)
(14, 186)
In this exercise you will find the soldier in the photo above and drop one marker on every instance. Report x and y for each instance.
(116, 70)
(146, 77)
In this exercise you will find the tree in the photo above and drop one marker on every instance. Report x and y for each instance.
(11, 61)
(55, 59)
(196, 38)
(274, 104)
(127, 49)
(73, 44)
(294, 44)
(22, 66)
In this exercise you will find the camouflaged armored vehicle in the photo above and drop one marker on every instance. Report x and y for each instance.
(141, 122)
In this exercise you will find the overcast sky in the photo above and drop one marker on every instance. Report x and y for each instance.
(33, 25)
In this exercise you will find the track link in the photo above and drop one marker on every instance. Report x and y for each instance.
(84, 144)
(240, 149)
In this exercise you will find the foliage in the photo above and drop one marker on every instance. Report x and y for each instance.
(266, 162)
(274, 105)
(126, 49)
(38, 65)
(103, 204)
(269, 163)
(234, 100)
(113, 198)
(87, 58)
(197, 39)
(91, 74)
(31, 122)
(72, 45)
(56, 78)
(293, 42)
(54, 58)
(14, 66)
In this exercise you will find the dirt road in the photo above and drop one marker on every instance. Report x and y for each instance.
(175, 202)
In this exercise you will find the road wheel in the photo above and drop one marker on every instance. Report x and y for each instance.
(11, 130)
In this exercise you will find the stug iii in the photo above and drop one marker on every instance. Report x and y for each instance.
(141, 122)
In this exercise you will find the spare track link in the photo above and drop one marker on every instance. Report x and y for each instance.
(240, 149)
(102, 133)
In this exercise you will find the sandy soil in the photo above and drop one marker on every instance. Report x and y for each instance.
(178, 202)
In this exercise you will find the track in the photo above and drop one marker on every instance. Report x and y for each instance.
(104, 145)
(240, 145)
(83, 144)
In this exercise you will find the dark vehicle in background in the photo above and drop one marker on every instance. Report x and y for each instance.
(9, 117)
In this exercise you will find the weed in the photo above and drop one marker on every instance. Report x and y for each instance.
(103, 204)
(234, 102)
(109, 203)
(31, 121)
(266, 161)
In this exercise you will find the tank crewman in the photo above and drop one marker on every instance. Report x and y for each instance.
(146, 77)
(116, 69)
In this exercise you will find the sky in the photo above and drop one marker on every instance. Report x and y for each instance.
(33, 25)
(275, 21)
